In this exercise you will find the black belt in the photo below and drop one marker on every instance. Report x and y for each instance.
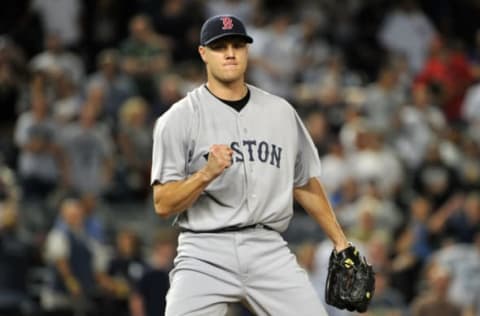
(226, 229)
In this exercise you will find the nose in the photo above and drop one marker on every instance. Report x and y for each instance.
(230, 51)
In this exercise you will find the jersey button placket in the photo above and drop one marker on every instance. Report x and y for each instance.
(248, 164)
(245, 135)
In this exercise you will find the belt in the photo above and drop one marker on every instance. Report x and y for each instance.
(226, 229)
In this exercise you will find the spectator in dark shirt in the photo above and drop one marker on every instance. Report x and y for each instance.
(149, 297)
(145, 55)
(126, 268)
(15, 261)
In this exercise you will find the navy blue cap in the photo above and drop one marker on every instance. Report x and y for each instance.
(220, 26)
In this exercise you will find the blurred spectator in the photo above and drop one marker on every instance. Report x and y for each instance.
(62, 18)
(41, 164)
(474, 56)
(387, 300)
(169, 91)
(94, 225)
(372, 158)
(317, 126)
(468, 169)
(379, 252)
(330, 100)
(23, 25)
(104, 26)
(95, 98)
(366, 227)
(134, 143)
(126, 268)
(342, 15)
(270, 71)
(449, 145)
(404, 76)
(12, 74)
(372, 213)
(149, 297)
(346, 195)
(145, 55)
(127, 263)
(412, 248)
(407, 31)
(326, 87)
(434, 300)
(77, 263)
(459, 219)
(66, 107)
(258, 29)
(88, 148)
(353, 125)
(56, 59)
(419, 124)
(434, 178)
(384, 99)
(192, 74)
(15, 262)
(448, 71)
(179, 21)
(116, 86)
(471, 105)
(9, 190)
(315, 50)
(463, 260)
(335, 168)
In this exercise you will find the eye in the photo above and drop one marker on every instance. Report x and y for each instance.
(239, 44)
(217, 45)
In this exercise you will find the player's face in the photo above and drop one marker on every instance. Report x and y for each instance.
(226, 59)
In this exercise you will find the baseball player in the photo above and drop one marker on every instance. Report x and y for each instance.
(228, 160)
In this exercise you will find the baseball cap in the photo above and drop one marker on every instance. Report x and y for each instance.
(220, 26)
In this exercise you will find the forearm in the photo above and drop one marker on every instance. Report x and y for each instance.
(62, 162)
(67, 276)
(175, 197)
(314, 200)
(136, 305)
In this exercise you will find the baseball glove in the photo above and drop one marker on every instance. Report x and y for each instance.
(350, 281)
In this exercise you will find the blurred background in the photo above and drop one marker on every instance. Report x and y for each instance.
(389, 91)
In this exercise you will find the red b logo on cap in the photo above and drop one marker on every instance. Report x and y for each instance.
(227, 23)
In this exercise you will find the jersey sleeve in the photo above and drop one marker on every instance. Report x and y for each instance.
(170, 146)
(307, 163)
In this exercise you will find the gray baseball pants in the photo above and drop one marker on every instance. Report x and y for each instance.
(253, 266)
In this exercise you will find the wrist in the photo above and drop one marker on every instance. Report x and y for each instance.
(72, 283)
(344, 244)
(206, 175)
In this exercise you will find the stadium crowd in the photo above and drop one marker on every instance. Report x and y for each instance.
(389, 91)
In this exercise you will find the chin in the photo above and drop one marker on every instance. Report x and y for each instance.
(230, 79)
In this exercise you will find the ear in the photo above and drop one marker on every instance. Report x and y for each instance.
(202, 52)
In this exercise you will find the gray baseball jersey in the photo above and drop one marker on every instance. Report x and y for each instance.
(273, 153)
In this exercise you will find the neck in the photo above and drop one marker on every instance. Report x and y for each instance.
(228, 91)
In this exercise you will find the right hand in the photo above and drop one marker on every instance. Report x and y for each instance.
(219, 159)
(73, 286)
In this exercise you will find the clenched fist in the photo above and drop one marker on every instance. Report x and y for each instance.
(219, 159)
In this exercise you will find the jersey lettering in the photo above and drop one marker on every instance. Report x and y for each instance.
(276, 155)
(264, 151)
(250, 143)
(238, 152)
